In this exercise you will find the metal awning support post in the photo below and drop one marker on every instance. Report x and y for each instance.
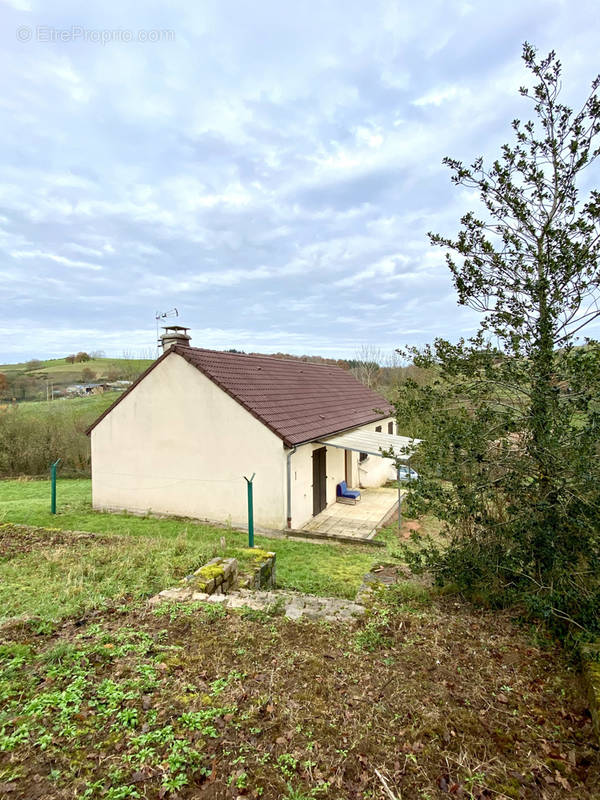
(53, 486)
(250, 511)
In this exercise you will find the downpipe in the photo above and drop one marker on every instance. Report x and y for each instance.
(289, 486)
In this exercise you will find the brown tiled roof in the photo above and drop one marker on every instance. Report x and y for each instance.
(298, 401)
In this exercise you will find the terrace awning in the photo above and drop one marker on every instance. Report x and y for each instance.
(400, 447)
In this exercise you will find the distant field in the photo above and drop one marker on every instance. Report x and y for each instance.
(58, 370)
(37, 379)
(87, 408)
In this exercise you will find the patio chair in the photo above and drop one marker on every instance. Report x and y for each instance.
(346, 495)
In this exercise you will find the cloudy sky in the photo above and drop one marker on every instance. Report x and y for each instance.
(270, 168)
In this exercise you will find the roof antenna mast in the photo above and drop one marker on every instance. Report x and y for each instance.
(159, 316)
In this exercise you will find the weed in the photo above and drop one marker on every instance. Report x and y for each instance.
(287, 764)
(297, 794)
(221, 684)
(121, 793)
(198, 720)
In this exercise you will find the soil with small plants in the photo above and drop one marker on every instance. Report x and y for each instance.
(420, 700)
(425, 697)
(30, 539)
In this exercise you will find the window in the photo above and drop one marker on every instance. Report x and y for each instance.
(378, 429)
(363, 456)
(390, 427)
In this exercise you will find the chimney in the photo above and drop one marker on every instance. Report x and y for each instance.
(174, 334)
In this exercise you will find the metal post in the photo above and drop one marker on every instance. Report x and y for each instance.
(250, 511)
(53, 486)
(399, 498)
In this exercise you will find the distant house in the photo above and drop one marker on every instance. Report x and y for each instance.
(181, 438)
(84, 389)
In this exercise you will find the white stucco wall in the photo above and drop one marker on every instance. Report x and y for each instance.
(375, 471)
(302, 480)
(177, 444)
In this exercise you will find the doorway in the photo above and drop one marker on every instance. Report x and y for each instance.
(319, 465)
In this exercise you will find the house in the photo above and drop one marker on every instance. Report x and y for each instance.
(86, 389)
(182, 437)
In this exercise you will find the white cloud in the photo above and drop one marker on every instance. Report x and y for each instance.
(68, 262)
(435, 97)
(18, 5)
(272, 164)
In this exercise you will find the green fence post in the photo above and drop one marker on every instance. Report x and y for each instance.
(250, 511)
(53, 489)
(399, 497)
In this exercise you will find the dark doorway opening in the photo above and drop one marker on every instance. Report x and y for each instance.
(319, 463)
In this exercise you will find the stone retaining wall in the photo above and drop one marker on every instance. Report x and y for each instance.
(218, 576)
(261, 573)
(221, 576)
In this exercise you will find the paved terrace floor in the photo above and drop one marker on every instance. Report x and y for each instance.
(359, 521)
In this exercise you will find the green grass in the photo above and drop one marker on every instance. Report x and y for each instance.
(54, 582)
(147, 554)
(80, 407)
(59, 369)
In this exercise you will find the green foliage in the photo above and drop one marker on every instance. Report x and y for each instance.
(374, 635)
(32, 436)
(510, 460)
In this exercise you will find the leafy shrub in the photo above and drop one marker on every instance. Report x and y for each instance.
(29, 442)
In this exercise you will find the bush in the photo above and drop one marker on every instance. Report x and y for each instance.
(510, 459)
(29, 443)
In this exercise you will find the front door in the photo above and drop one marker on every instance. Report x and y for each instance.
(319, 462)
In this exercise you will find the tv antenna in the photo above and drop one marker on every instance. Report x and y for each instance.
(159, 316)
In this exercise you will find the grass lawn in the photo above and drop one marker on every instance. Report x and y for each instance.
(138, 556)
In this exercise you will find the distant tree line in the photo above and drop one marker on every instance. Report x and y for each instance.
(78, 357)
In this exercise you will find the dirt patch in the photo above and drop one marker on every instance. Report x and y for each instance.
(20, 539)
(388, 573)
(409, 526)
(194, 702)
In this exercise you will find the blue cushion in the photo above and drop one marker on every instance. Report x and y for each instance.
(344, 491)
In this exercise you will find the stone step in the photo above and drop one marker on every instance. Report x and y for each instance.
(294, 604)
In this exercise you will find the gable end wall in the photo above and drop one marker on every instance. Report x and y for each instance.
(178, 444)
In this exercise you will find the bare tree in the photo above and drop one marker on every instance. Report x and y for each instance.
(366, 366)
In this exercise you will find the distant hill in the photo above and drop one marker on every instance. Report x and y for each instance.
(37, 379)
(32, 380)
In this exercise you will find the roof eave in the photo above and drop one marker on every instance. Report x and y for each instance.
(318, 436)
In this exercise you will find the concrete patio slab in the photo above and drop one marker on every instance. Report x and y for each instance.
(359, 521)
